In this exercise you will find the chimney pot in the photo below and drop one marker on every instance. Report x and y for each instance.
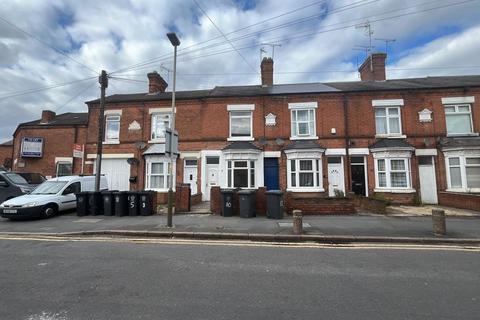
(373, 68)
(267, 71)
(47, 116)
(156, 83)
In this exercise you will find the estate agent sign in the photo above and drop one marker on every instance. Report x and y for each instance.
(32, 147)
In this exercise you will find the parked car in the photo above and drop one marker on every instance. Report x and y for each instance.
(33, 178)
(50, 197)
(13, 185)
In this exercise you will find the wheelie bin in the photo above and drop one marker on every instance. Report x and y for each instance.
(120, 204)
(274, 204)
(246, 199)
(227, 202)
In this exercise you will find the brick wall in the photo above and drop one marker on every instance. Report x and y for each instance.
(5, 153)
(459, 200)
(317, 203)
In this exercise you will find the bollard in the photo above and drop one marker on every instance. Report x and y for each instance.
(297, 222)
(438, 218)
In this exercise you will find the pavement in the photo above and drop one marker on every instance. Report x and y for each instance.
(346, 228)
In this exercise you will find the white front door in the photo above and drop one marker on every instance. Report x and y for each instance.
(211, 172)
(335, 175)
(117, 172)
(428, 182)
(190, 175)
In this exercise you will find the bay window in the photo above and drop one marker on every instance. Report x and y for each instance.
(458, 119)
(157, 173)
(304, 173)
(241, 174)
(463, 173)
(393, 173)
(160, 121)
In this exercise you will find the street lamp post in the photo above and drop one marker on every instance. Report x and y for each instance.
(175, 43)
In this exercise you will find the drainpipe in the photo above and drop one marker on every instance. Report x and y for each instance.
(347, 143)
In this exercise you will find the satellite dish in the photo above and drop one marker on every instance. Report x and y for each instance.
(140, 145)
(280, 141)
(263, 141)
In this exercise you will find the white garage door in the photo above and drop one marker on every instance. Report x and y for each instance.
(117, 172)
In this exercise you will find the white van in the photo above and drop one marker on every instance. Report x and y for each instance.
(50, 197)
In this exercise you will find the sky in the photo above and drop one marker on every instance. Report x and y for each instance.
(63, 45)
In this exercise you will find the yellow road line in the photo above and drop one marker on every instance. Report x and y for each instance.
(246, 243)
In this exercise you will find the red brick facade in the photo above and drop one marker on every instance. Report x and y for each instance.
(344, 121)
(5, 154)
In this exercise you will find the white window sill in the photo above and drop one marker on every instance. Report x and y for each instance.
(157, 190)
(391, 136)
(475, 190)
(474, 134)
(296, 189)
(241, 139)
(157, 140)
(111, 142)
(395, 190)
(304, 138)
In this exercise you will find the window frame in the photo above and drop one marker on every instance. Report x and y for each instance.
(310, 108)
(231, 116)
(149, 161)
(108, 118)
(154, 123)
(463, 172)
(316, 171)
(388, 174)
(251, 172)
(387, 120)
(58, 163)
(457, 113)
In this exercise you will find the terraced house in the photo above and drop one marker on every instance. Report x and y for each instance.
(407, 140)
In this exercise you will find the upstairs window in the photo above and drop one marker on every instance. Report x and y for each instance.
(458, 119)
(302, 116)
(112, 128)
(160, 121)
(240, 122)
(303, 123)
(388, 121)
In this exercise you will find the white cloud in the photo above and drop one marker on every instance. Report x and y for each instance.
(114, 34)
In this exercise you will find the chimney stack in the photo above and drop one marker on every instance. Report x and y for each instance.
(373, 68)
(267, 72)
(156, 83)
(47, 116)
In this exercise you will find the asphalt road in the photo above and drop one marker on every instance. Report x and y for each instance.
(60, 280)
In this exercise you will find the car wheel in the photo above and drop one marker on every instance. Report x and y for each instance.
(49, 211)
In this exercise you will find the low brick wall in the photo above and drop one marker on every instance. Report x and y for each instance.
(365, 204)
(317, 203)
(261, 202)
(459, 200)
(195, 199)
(162, 197)
(396, 198)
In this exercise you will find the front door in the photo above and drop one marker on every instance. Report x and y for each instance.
(428, 183)
(335, 175)
(211, 172)
(357, 167)
(190, 175)
(270, 167)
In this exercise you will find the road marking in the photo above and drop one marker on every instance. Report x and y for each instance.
(86, 220)
(246, 243)
(290, 224)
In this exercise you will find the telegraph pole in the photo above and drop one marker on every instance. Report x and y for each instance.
(103, 80)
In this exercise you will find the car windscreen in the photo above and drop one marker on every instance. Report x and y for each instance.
(32, 178)
(49, 187)
(15, 178)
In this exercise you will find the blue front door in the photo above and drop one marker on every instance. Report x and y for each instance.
(270, 167)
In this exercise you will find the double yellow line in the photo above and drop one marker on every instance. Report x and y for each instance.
(239, 243)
